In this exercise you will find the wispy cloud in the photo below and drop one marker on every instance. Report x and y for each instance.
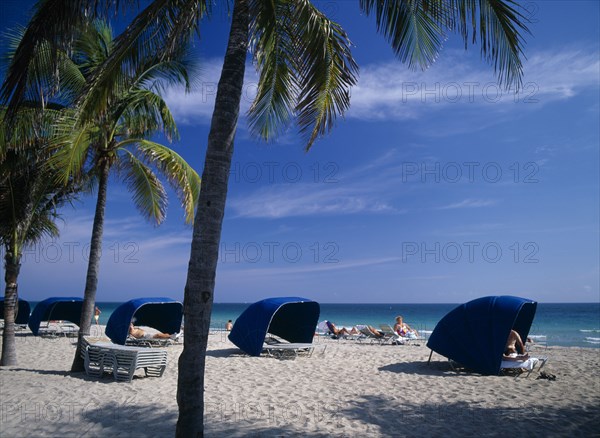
(389, 91)
(364, 189)
(316, 268)
(469, 203)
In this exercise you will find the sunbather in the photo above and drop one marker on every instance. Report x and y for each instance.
(404, 329)
(138, 333)
(341, 332)
(374, 331)
(515, 357)
(514, 344)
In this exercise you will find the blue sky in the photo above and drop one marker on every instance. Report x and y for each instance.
(437, 186)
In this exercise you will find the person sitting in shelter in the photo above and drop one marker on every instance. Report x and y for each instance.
(404, 329)
(515, 348)
(139, 333)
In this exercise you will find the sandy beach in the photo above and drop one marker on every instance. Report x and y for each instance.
(345, 389)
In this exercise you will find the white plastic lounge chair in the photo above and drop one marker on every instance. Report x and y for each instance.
(516, 367)
(58, 328)
(392, 336)
(288, 350)
(123, 361)
(371, 337)
(149, 341)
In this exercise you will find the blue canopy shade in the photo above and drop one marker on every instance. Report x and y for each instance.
(474, 334)
(22, 314)
(163, 314)
(291, 318)
(55, 308)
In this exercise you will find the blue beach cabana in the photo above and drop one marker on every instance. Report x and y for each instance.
(55, 308)
(24, 310)
(163, 314)
(474, 334)
(291, 318)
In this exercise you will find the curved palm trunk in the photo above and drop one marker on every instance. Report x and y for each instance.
(202, 268)
(91, 282)
(11, 297)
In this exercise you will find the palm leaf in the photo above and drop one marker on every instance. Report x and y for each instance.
(71, 146)
(412, 27)
(416, 30)
(305, 68)
(272, 47)
(180, 175)
(149, 195)
(164, 27)
(326, 70)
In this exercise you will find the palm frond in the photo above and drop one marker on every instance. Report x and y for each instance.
(54, 22)
(272, 46)
(72, 146)
(142, 113)
(163, 27)
(149, 195)
(414, 28)
(325, 68)
(305, 66)
(180, 175)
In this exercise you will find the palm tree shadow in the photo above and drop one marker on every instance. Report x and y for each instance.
(226, 352)
(43, 372)
(107, 378)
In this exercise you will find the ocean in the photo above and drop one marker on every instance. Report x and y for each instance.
(564, 324)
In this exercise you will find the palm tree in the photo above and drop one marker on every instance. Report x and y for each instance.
(305, 73)
(115, 137)
(29, 200)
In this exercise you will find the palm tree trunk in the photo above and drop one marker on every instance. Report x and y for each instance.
(11, 297)
(199, 289)
(91, 282)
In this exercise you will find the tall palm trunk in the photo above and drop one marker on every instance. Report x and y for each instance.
(91, 282)
(202, 268)
(11, 298)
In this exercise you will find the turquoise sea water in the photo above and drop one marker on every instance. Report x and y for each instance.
(572, 324)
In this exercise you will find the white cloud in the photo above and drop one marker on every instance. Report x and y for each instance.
(469, 203)
(389, 91)
(316, 268)
(365, 189)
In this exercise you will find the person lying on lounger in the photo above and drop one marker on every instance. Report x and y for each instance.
(341, 332)
(374, 331)
(138, 333)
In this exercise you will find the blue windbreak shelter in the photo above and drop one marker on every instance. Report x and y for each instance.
(55, 308)
(24, 310)
(474, 334)
(291, 318)
(163, 314)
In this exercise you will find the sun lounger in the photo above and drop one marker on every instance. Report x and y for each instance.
(517, 367)
(122, 361)
(59, 328)
(371, 337)
(149, 341)
(288, 350)
(392, 336)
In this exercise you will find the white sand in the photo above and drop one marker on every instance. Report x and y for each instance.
(347, 390)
